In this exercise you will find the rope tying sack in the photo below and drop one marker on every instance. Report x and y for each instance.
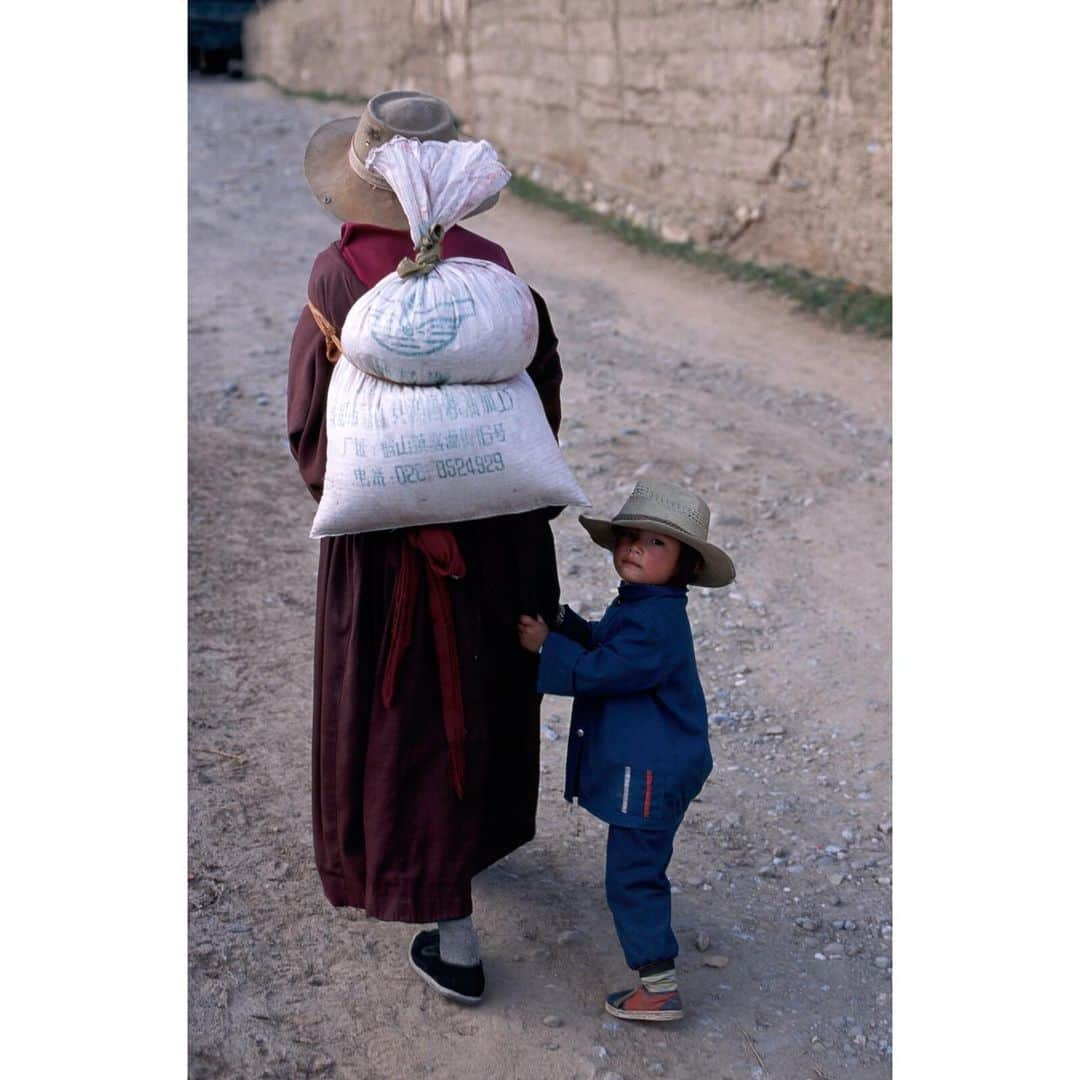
(333, 342)
(427, 257)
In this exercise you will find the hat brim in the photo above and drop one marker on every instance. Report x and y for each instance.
(338, 189)
(718, 569)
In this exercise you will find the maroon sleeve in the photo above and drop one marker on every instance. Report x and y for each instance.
(546, 369)
(333, 289)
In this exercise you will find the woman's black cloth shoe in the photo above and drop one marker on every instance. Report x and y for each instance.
(454, 981)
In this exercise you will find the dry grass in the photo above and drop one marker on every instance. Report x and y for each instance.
(751, 1048)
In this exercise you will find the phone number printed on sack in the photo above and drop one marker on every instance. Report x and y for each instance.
(449, 468)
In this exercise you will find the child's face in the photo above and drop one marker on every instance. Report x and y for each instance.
(645, 558)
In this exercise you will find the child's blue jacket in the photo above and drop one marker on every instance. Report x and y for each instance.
(639, 734)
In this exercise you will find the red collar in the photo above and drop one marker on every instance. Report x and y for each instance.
(372, 252)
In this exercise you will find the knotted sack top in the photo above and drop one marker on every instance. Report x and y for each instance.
(437, 184)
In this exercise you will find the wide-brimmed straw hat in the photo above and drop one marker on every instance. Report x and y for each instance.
(673, 511)
(334, 159)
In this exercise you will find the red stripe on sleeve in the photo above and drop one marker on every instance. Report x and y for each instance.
(648, 792)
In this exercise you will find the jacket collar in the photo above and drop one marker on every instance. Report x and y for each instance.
(631, 591)
(372, 252)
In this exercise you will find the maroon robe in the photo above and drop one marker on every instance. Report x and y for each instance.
(391, 834)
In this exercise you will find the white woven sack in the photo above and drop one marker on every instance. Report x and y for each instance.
(401, 456)
(466, 320)
(430, 418)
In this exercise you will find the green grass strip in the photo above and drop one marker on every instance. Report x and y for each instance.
(848, 305)
(854, 307)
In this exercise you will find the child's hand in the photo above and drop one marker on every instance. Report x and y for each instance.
(532, 632)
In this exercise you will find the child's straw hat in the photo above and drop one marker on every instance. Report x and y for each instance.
(673, 511)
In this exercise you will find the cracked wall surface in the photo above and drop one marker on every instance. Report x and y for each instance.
(757, 127)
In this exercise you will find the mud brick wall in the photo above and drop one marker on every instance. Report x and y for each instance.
(757, 127)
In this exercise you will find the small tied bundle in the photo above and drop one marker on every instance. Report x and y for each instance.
(428, 255)
(436, 321)
(431, 418)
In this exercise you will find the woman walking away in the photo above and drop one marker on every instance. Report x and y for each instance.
(400, 829)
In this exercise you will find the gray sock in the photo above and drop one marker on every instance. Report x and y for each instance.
(458, 943)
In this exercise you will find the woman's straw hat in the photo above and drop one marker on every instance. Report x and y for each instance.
(334, 159)
(673, 511)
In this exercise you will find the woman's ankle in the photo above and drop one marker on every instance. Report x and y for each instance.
(458, 943)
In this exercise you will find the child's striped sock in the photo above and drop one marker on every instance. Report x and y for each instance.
(659, 982)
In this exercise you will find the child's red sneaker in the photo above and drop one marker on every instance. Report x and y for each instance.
(640, 1004)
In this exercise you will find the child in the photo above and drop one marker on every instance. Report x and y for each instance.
(639, 743)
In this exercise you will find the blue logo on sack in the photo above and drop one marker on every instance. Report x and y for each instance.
(415, 328)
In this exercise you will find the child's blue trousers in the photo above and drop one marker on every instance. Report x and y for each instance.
(639, 893)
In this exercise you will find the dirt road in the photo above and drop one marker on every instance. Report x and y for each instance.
(783, 866)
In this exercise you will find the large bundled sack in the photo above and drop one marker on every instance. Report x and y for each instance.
(430, 415)
(463, 320)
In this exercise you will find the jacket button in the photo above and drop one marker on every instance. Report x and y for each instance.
(580, 733)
